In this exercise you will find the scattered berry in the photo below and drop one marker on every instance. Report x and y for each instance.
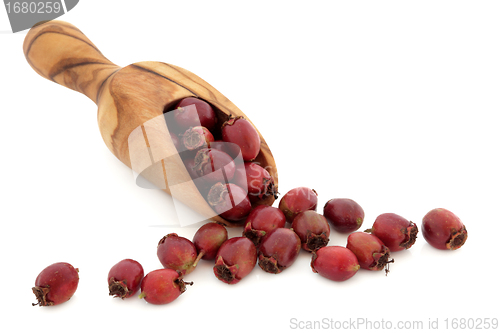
(262, 220)
(336, 263)
(278, 250)
(208, 239)
(313, 230)
(177, 253)
(372, 254)
(55, 284)
(124, 278)
(235, 259)
(345, 215)
(396, 232)
(443, 229)
(162, 286)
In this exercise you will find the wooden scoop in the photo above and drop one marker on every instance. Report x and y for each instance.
(130, 102)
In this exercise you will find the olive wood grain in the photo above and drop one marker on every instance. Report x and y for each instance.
(129, 98)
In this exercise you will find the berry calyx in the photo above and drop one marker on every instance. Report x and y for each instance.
(278, 250)
(124, 278)
(372, 254)
(313, 230)
(55, 284)
(230, 201)
(197, 137)
(213, 165)
(162, 286)
(443, 229)
(396, 232)
(235, 259)
(262, 220)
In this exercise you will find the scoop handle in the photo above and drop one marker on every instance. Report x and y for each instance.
(60, 52)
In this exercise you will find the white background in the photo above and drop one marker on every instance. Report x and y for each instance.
(391, 103)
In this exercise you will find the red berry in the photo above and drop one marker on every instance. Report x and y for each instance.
(162, 286)
(298, 200)
(396, 232)
(124, 278)
(229, 148)
(177, 253)
(278, 250)
(259, 182)
(55, 284)
(175, 141)
(262, 220)
(189, 164)
(443, 229)
(214, 165)
(240, 176)
(312, 229)
(235, 259)
(372, 254)
(240, 131)
(345, 215)
(191, 112)
(197, 137)
(230, 201)
(208, 239)
(336, 263)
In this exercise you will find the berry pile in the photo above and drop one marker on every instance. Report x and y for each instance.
(268, 242)
(220, 161)
(219, 154)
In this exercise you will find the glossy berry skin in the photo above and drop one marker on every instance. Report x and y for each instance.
(194, 112)
(235, 259)
(396, 232)
(443, 229)
(345, 215)
(262, 220)
(372, 254)
(240, 131)
(260, 183)
(162, 286)
(177, 253)
(213, 165)
(230, 201)
(298, 200)
(278, 250)
(124, 278)
(229, 148)
(208, 239)
(313, 230)
(336, 263)
(240, 176)
(197, 137)
(55, 284)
